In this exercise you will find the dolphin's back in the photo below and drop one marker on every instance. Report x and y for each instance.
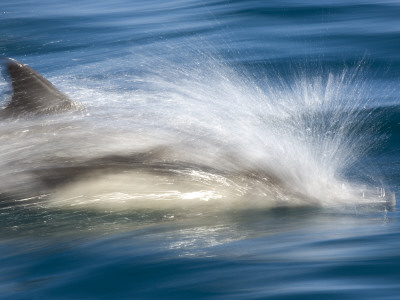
(32, 93)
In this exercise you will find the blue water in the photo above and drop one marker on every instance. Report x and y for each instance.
(201, 70)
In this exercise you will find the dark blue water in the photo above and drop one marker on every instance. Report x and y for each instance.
(207, 69)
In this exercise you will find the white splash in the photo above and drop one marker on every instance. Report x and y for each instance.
(229, 140)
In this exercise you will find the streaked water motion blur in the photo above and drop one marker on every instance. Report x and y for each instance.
(226, 149)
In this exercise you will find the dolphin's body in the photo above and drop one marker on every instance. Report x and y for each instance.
(65, 160)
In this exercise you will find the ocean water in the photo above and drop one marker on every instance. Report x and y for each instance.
(226, 150)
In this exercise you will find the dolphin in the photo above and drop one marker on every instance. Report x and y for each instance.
(162, 170)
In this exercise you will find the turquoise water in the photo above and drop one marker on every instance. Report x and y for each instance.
(274, 138)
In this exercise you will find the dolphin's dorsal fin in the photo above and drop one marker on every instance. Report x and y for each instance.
(32, 93)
